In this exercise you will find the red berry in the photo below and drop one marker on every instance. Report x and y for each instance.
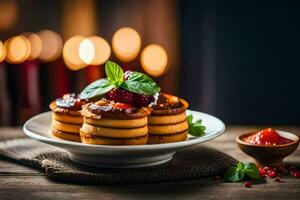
(277, 179)
(122, 105)
(120, 95)
(295, 174)
(266, 168)
(143, 100)
(262, 172)
(248, 184)
(271, 174)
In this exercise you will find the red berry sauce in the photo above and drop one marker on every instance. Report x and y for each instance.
(267, 137)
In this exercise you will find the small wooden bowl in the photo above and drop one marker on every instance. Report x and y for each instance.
(269, 155)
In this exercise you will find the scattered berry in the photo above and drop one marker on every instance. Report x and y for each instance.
(277, 179)
(295, 174)
(266, 168)
(262, 172)
(143, 100)
(120, 95)
(271, 173)
(248, 184)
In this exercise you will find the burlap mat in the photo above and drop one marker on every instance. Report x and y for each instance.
(190, 163)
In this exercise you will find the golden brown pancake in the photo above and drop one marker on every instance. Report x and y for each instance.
(88, 139)
(157, 139)
(66, 117)
(110, 123)
(66, 136)
(167, 122)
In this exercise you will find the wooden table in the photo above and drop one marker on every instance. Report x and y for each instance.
(19, 182)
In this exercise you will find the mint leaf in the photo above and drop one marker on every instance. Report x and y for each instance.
(140, 83)
(114, 73)
(195, 128)
(96, 88)
(233, 174)
(238, 172)
(251, 170)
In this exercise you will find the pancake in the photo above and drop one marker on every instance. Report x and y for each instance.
(167, 122)
(167, 119)
(65, 135)
(88, 139)
(112, 123)
(61, 126)
(67, 118)
(113, 132)
(158, 139)
(117, 123)
(168, 129)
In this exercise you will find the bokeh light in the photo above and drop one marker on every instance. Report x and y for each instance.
(51, 45)
(86, 51)
(2, 52)
(102, 50)
(36, 45)
(17, 49)
(71, 53)
(154, 60)
(126, 43)
(8, 14)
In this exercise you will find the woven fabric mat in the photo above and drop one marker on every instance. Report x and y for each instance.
(190, 163)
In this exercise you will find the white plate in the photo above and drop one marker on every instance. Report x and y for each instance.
(39, 128)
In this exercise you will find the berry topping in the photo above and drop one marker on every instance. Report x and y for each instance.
(124, 96)
(143, 100)
(121, 96)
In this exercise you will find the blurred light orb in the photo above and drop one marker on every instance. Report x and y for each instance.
(18, 49)
(71, 53)
(9, 14)
(154, 59)
(86, 51)
(2, 52)
(126, 44)
(51, 45)
(102, 50)
(36, 45)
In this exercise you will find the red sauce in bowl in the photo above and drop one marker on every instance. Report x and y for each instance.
(267, 137)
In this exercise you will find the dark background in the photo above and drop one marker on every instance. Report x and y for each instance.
(238, 60)
(241, 59)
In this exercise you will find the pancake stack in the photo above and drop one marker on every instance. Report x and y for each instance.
(66, 117)
(110, 123)
(167, 122)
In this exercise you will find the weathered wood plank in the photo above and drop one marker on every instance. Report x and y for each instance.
(38, 187)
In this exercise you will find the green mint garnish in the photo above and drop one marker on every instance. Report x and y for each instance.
(195, 128)
(238, 172)
(137, 82)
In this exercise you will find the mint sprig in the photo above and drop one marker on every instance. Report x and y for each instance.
(114, 73)
(140, 83)
(195, 128)
(137, 82)
(240, 171)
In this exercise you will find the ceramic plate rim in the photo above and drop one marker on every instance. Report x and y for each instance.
(190, 142)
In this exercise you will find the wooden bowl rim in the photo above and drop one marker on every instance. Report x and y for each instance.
(240, 141)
